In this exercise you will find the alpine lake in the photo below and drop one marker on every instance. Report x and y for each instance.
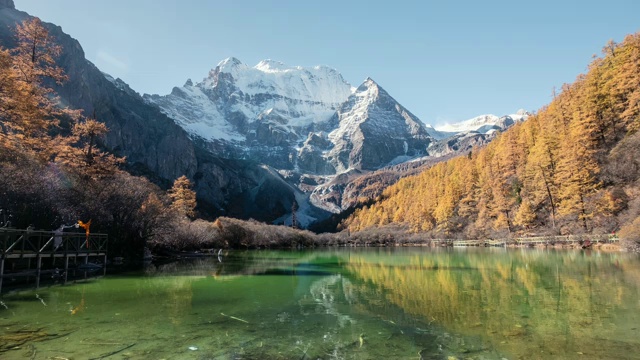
(340, 303)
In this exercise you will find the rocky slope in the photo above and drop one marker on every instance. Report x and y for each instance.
(153, 143)
(374, 130)
(308, 120)
(138, 131)
(346, 190)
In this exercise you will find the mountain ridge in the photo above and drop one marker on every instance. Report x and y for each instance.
(366, 131)
(483, 123)
(276, 105)
(153, 144)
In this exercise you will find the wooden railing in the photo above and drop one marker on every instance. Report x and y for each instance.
(25, 243)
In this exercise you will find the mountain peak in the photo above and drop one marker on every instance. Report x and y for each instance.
(367, 85)
(375, 130)
(228, 64)
(7, 4)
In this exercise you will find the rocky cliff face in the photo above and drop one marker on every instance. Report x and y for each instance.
(7, 4)
(374, 130)
(138, 131)
(307, 123)
(344, 191)
(260, 113)
(153, 143)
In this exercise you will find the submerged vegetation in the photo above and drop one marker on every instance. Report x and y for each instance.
(572, 168)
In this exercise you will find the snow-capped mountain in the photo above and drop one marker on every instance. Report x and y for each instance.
(483, 124)
(309, 124)
(374, 130)
(239, 103)
(308, 120)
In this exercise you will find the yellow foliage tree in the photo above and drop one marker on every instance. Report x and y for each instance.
(183, 198)
(525, 216)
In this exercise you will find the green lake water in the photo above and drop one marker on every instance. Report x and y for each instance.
(407, 303)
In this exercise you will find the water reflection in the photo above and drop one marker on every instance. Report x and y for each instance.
(531, 304)
(342, 304)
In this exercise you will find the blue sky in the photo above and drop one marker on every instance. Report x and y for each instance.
(443, 60)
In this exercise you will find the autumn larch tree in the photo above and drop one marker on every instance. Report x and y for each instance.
(35, 109)
(80, 150)
(183, 198)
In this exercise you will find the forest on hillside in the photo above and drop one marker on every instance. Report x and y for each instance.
(571, 168)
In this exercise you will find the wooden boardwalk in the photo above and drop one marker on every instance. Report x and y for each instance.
(542, 240)
(17, 244)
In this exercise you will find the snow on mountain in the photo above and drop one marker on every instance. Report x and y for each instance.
(374, 129)
(310, 123)
(520, 115)
(309, 120)
(294, 96)
(354, 112)
(438, 135)
(234, 95)
(316, 84)
(469, 125)
(483, 123)
(192, 109)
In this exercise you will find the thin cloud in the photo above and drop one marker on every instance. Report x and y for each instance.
(112, 61)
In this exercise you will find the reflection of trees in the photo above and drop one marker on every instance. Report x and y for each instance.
(325, 291)
(232, 263)
(180, 294)
(558, 301)
(171, 285)
(170, 295)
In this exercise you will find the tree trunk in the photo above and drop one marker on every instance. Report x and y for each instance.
(553, 206)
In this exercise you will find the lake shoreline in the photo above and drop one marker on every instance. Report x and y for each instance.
(609, 247)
